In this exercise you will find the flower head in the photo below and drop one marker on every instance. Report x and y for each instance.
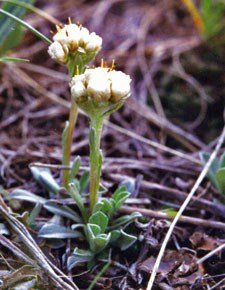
(100, 85)
(73, 39)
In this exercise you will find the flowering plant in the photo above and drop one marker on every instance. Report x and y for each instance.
(98, 92)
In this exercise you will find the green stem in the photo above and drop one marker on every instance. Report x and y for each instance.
(68, 142)
(95, 159)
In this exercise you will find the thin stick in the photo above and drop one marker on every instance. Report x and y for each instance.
(151, 143)
(182, 208)
(210, 254)
(183, 219)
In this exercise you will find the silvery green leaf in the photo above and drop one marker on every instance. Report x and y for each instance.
(79, 257)
(115, 234)
(119, 196)
(99, 243)
(75, 194)
(125, 240)
(93, 230)
(75, 168)
(116, 194)
(100, 219)
(62, 210)
(124, 221)
(45, 178)
(54, 231)
(25, 195)
(84, 181)
(34, 213)
(107, 206)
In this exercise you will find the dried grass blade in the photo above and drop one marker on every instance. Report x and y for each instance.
(182, 208)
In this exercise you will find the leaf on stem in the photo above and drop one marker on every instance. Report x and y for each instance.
(63, 211)
(25, 195)
(54, 231)
(100, 219)
(44, 177)
(79, 256)
(77, 198)
(75, 168)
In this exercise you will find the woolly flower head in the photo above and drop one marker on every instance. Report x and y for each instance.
(72, 39)
(100, 85)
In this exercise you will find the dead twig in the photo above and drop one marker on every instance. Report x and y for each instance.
(183, 219)
(182, 208)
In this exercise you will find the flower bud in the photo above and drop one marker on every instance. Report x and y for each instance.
(73, 39)
(103, 87)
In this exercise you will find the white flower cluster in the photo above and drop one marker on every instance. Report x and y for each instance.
(101, 85)
(71, 39)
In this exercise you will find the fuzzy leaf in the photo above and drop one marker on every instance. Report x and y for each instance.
(75, 168)
(77, 198)
(93, 230)
(25, 195)
(45, 178)
(79, 257)
(54, 231)
(99, 243)
(107, 206)
(119, 196)
(84, 181)
(125, 241)
(100, 219)
(124, 221)
(34, 213)
(115, 234)
(63, 211)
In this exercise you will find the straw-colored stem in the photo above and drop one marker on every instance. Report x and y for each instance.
(197, 19)
(68, 142)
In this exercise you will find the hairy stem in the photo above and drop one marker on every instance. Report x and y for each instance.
(68, 142)
(95, 159)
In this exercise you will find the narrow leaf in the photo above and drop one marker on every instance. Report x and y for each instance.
(53, 231)
(77, 198)
(75, 168)
(13, 59)
(45, 178)
(79, 257)
(26, 25)
(63, 211)
(25, 195)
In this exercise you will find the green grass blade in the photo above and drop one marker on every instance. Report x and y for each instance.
(32, 8)
(13, 59)
(10, 32)
(26, 25)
